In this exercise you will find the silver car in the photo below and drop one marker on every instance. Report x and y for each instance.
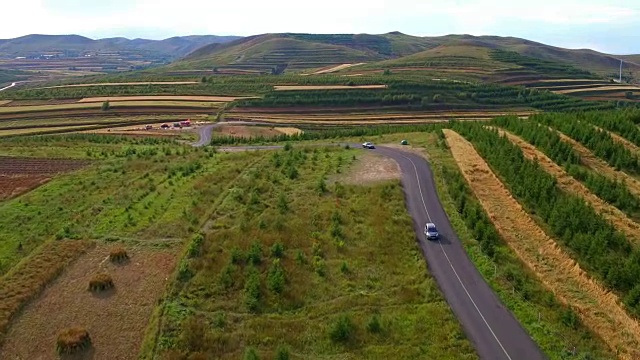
(431, 232)
(368, 145)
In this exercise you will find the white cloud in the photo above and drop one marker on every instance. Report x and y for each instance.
(258, 16)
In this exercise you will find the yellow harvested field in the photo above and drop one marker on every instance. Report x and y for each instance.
(600, 166)
(162, 98)
(597, 308)
(565, 80)
(5, 102)
(326, 87)
(597, 88)
(567, 183)
(576, 87)
(123, 84)
(289, 130)
(336, 68)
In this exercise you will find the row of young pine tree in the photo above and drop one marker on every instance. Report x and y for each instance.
(594, 242)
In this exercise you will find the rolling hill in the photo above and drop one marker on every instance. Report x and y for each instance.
(293, 52)
(74, 45)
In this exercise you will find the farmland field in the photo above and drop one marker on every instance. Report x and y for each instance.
(19, 175)
(162, 98)
(326, 87)
(123, 84)
(274, 252)
(115, 104)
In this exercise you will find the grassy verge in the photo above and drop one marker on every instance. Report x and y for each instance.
(296, 264)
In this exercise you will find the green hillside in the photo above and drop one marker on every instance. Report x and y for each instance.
(267, 52)
(291, 52)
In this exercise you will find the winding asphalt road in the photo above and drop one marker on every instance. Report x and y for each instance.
(205, 132)
(491, 327)
(494, 331)
(8, 87)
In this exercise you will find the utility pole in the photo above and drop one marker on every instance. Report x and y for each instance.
(620, 71)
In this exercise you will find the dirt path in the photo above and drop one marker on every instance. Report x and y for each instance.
(600, 166)
(336, 68)
(567, 183)
(598, 308)
(116, 321)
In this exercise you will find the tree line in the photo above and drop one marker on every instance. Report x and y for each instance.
(599, 142)
(549, 142)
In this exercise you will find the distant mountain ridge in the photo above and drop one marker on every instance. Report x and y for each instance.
(76, 45)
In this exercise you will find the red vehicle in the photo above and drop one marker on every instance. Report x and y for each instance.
(186, 123)
(164, 126)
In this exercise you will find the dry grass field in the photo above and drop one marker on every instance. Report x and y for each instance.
(598, 308)
(598, 88)
(29, 277)
(116, 319)
(254, 131)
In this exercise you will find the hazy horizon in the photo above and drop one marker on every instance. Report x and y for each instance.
(600, 25)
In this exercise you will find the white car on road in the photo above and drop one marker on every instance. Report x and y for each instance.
(431, 232)
(368, 145)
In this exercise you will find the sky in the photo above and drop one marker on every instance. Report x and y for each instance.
(607, 26)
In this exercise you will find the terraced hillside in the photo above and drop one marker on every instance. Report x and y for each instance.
(445, 51)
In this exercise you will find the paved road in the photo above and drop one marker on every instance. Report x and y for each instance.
(8, 87)
(205, 132)
(493, 330)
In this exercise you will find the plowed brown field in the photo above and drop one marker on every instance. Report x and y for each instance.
(19, 175)
(12, 186)
(21, 166)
